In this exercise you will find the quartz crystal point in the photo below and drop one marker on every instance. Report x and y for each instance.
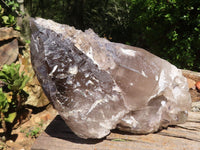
(97, 85)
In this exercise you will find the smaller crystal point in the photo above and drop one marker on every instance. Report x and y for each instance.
(97, 85)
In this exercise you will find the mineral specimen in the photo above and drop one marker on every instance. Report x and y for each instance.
(97, 85)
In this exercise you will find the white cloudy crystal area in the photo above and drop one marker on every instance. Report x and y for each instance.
(97, 85)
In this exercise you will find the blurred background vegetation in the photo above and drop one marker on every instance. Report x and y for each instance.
(167, 28)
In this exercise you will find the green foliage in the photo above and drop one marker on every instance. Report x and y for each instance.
(9, 11)
(12, 101)
(11, 76)
(27, 41)
(4, 105)
(33, 132)
(119, 140)
(105, 17)
(11, 116)
(4, 108)
(167, 28)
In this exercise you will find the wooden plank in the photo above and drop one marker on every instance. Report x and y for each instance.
(184, 136)
(191, 75)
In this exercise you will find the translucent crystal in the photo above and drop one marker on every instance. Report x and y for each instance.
(97, 85)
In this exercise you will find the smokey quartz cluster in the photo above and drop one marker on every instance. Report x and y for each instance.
(97, 85)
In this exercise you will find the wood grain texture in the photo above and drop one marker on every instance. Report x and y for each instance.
(191, 75)
(185, 136)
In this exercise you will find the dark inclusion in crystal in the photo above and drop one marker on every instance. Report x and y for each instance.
(97, 85)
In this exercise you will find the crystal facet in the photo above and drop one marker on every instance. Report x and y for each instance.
(97, 85)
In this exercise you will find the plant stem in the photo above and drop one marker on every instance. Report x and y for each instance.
(3, 123)
(19, 100)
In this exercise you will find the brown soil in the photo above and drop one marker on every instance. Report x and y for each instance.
(24, 136)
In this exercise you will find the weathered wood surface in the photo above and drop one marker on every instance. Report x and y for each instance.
(185, 136)
(191, 75)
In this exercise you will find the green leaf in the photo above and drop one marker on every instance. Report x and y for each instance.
(119, 140)
(196, 29)
(2, 98)
(17, 28)
(28, 41)
(13, 8)
(3, 102)
(17, 66)
(10, 75)
(9, 96)
(172, 1)
(16, 5)
(3, 76)
(11, 117)
(5, 19)
(1, 10)
(4, 105)
(12, 72)
(25, 80)
(10, 3)
(17, 84)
